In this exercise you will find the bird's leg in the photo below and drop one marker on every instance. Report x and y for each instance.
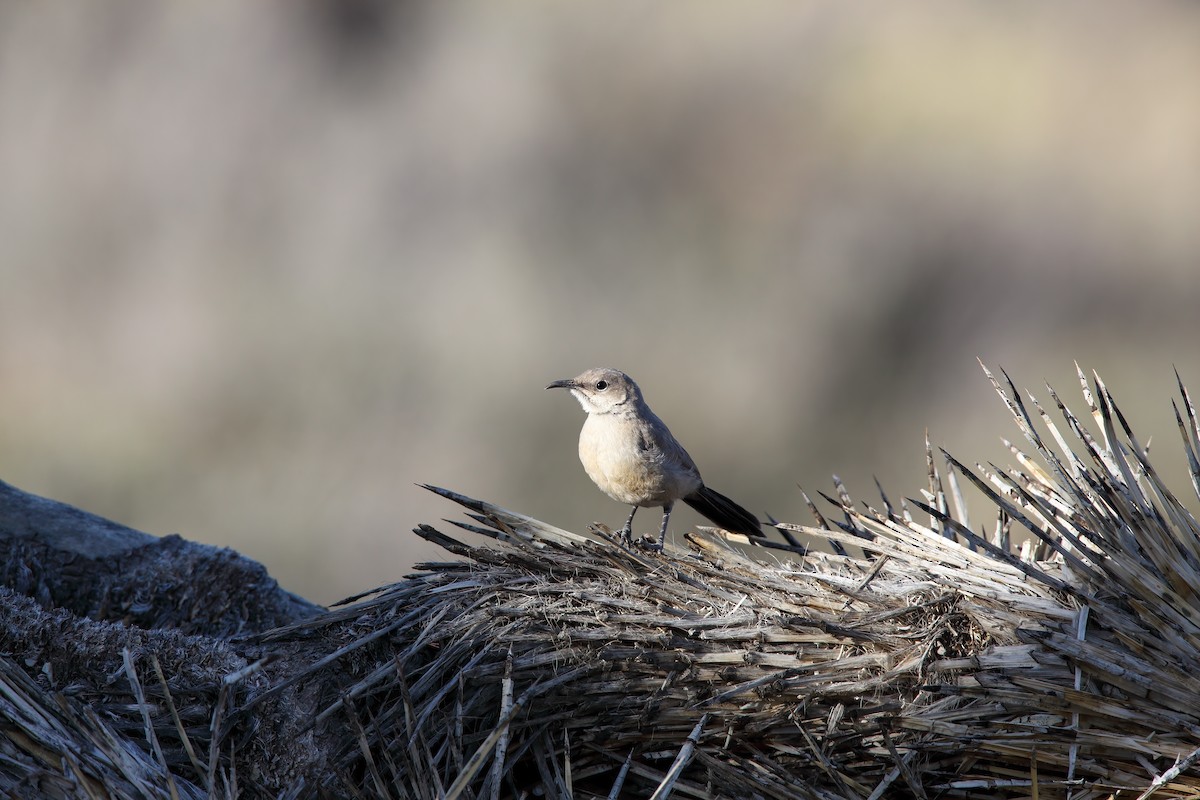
(627, 531)
(662, 533)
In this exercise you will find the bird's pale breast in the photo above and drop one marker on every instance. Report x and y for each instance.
(614, 457)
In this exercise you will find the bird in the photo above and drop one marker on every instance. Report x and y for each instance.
(631, 455)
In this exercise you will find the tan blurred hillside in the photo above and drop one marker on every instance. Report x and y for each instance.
(265, 266)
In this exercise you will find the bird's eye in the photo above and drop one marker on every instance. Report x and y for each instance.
(601, 386)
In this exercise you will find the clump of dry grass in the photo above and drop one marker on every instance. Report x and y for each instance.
(944, 661)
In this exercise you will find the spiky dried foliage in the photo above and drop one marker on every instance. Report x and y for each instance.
(942, 661)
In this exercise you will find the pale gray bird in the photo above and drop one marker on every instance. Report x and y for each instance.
(631, 455)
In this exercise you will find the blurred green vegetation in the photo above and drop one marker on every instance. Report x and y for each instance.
(263, 266)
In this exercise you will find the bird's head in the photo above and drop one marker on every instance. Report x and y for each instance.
(602, 390)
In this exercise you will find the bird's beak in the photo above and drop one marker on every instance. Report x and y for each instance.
(566, 383)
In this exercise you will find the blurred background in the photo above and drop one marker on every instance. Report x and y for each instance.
(264, 266)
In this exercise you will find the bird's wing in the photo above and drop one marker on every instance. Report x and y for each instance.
(654, 436)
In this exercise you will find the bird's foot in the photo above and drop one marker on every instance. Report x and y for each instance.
(627, 536)
(650, 544)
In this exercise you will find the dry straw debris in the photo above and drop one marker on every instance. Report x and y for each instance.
(1052, 655)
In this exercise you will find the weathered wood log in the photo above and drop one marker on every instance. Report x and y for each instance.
(934, 660)
(68, 558)
(85, 605)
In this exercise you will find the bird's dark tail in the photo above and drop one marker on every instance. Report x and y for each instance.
(724, 512)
